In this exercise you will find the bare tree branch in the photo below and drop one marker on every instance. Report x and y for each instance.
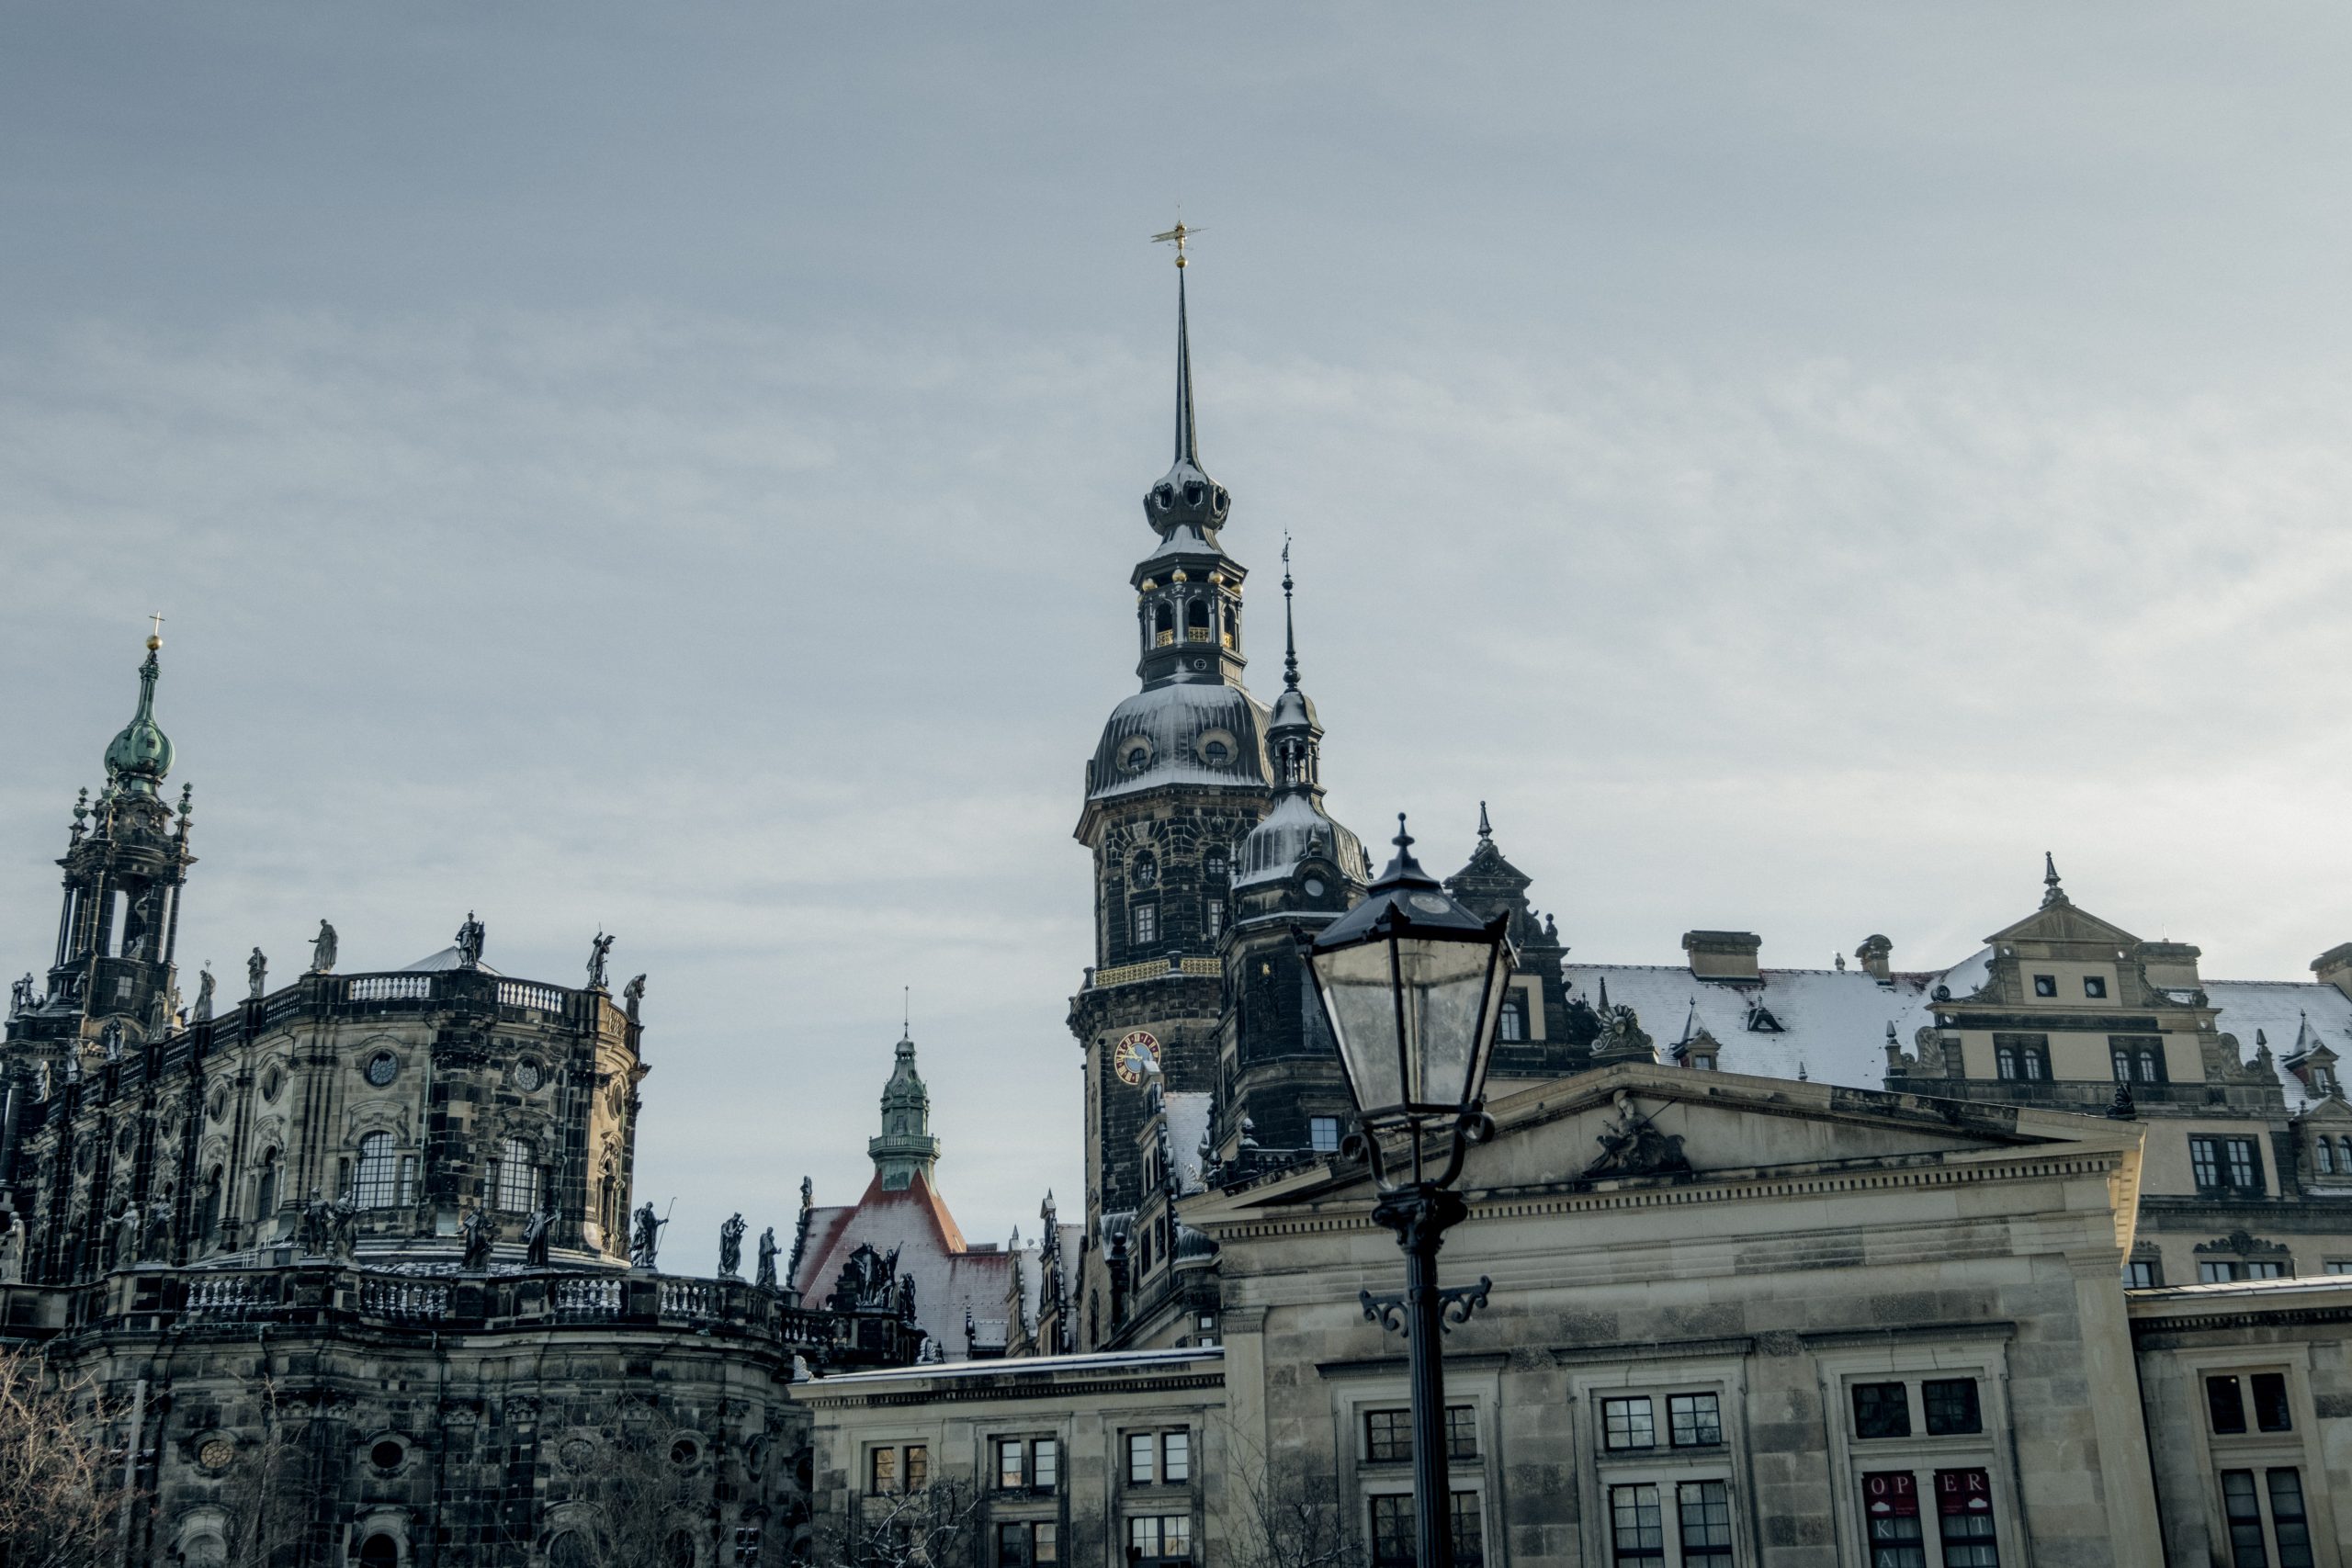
(59, 1488)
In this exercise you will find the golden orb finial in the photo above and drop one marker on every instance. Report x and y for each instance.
(154, 633)
(1176, 236)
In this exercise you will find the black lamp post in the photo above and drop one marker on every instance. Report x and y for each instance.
(1412, 985)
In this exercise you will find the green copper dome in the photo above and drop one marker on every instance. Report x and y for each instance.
(138, 758)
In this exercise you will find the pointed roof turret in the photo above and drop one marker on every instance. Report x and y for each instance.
(1186, 501)
(140, 755)
(904, 1148)
(2050, 892)
(1297, 826)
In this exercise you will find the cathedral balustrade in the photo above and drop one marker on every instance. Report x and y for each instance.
(1154, 969)
(315, 1293)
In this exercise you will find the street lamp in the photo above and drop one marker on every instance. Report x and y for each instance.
(1412, 985)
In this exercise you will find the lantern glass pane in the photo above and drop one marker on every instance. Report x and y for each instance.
(1362, 1010)
(1445, 988)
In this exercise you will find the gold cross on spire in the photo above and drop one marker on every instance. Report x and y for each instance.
(1176, 236)
(155, 631)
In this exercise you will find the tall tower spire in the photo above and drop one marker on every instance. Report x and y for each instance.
(1186, 502)
(1290, 632)
(904, 1148)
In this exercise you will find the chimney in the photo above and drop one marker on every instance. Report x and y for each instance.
(1877, 956)
(2334, 968)
(1729, 955)
(2171, 965)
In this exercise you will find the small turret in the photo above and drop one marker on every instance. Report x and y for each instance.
(904, 1148)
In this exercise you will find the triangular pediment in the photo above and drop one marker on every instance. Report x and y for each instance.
(2063, 922)
(2330, 1114)
(1642, 1125)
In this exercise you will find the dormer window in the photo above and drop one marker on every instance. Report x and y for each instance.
(2045, 985)
(1135, 755)
(1761, 1021)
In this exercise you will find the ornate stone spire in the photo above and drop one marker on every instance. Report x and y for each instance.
(140, 755)
(1186, 498)
(905, 1147)
(2052, 893)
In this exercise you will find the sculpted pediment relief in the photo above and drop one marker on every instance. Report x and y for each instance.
(2066, 923)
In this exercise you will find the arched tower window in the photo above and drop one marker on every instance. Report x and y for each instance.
(377, 1183)
(1145, 872)
(1163, 625)
(1197, 620)
(265, 1190)
(515, 1179)
(379, 1551)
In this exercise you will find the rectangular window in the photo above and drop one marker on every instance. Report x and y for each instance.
(1704, 1511)
(1045, 1465)
(1965, 1519)
(1694, 1420)
(2263, 1269)
(1213, 917)
(2205, 1163)
(2238, 1154)
(2005, 1061)
(2143, 1274)
(1636, 1524)
(2045, 985)
(1011, 1466)
(1323, 1134)
(2270, 1403)
(2219, 1271)
(1469, 1534)
(1392, 1531)
(2023, 1058)
(1950, 1408)
(1145, 923)
(2289, 1525)
(2224, 1405)
(1461, 1431)
(1388, 1436)
(1012, 1546)
(1883, 1410)
(2339, 1266)
(1628, 1424)
(918, 1467)
(1139, 1459)
(2139, 1058)
(882, 1471)
(1890, 1519)
(1175, 1456)
(2094, 985)
(2243, 1508)
(1511, 1022)
(1046, 1534)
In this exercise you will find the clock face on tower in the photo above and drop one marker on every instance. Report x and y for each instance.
(1136, 1053)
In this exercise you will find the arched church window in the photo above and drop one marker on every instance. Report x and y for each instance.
(1196, 621)
(1146, 871)
(1511, 1024)
(516, 1177)
(379, 1551)
(377, 1183)
(265, 1190)
(1217, 864)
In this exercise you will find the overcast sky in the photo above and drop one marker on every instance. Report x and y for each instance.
(674, 468)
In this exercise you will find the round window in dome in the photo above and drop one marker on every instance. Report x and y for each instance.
(382, 1068)
(1218, 748)
(1135, 755)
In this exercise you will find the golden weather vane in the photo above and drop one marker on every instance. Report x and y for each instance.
(1176, 236)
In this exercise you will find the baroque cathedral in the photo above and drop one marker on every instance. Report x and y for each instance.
(2040, 1255)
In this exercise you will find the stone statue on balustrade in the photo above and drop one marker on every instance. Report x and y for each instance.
(155, 1241)
(766, 1278)
(343, 1226)
(731, 1248)
(868, 1281)
(633, 997)
(203, 1010)
(536, 1231)
(257, 975)
(323, 949)
(20, 994)
(470, 940)
(12, 1253)
(110, 1040)
(598, 951)
(906, 1297)
(476, 1232)
(645, 1241)
(314, 1233)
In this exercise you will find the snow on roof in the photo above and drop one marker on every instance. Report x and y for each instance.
(1044, 1367)
(448, 958)
(1833, 1023)
(952, 1280)
(1188, 1124)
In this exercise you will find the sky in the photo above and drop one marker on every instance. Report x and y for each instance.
(675, 470)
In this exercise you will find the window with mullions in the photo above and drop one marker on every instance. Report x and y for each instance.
(1461, 1432)
(2226, 1402)
(1628, 1424)
(1143, 922)
(1890, 1525)
(1965, 1519)
(1882, 1410)
(517, 1178)
(1029, 1541)
(1027, 1464)
(2021, 1058)
(1393, 1542)
(2225, 1164)
(1949, 1405)
(2244, 1495)
(1168, 1538)
(1511, 1022)
(1637, 1525)
(2143, 1274)
(1702, 1510)
(376, 1184)
(2138, 1059)
(1323, 1134)
(1694, 1420)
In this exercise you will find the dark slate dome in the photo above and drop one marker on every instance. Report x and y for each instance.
(1188, 733)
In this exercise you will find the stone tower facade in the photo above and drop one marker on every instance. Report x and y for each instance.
(1177, 782)
(904, 1149)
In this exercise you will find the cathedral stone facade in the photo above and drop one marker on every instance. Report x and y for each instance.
(2040, 1257)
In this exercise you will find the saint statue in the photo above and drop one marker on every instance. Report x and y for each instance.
(766, 1280)
(632, 997)
(257, 975)
(20, 994)
(322, 948)
(535, 1236)
(730, 1248)
(204, 994)
(647, 1240)
(343, 1220)
(157, 1246)
(478, 1231)
(596, 953)
(110, 1040)
(469, 941)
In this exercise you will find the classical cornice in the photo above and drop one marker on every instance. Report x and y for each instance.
(1034, 1385)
